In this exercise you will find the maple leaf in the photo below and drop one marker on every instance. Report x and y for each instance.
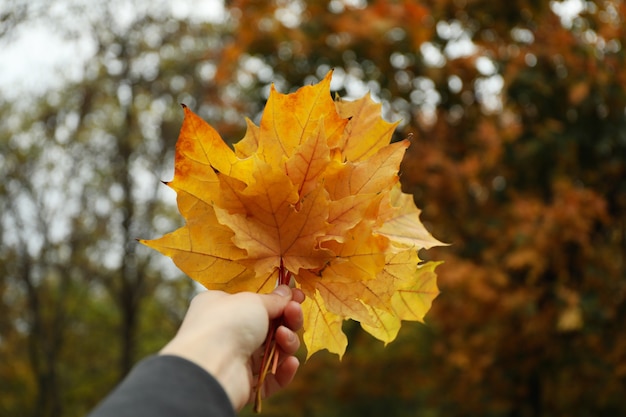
(311, 194)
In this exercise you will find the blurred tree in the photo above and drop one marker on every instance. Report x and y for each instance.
(518, 116)
(80, 168)
(12, 13)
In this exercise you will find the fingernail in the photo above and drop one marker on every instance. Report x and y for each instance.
(282, 290)
(291, 337)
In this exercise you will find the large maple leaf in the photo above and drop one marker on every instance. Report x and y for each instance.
(311, 194)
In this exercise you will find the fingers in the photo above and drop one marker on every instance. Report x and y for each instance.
(285, 373)
(292, 316)
(276, 301)
(293, 320)
(287, 340)
(297, 295)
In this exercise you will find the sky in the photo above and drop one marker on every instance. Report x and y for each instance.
(30, 63)
(34, 54)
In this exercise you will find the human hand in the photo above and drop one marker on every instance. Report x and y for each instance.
(223, 334)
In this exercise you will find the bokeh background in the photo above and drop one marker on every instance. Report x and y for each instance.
(517, 112)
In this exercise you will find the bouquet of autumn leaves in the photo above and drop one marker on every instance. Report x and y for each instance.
(310, 196)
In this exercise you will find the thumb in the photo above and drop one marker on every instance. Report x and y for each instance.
(276, 301)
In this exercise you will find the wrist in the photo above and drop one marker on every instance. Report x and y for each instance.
(220, 362)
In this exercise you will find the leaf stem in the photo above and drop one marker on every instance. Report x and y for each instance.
(271, 354)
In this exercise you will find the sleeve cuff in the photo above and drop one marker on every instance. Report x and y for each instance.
(166, 385)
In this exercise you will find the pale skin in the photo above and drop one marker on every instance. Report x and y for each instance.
(224, 333)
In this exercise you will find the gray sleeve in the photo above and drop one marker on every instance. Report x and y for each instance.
(166, 386)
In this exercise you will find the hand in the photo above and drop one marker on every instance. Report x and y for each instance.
(223, 334)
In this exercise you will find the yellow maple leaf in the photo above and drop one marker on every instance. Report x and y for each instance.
(311, 194)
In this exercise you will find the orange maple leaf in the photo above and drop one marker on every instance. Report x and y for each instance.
(312, 194)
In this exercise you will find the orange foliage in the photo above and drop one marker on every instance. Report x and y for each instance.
(531, 196)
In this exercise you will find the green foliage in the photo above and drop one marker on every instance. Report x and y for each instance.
(527, 182)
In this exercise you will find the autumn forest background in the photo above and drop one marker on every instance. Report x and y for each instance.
(517, 117)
